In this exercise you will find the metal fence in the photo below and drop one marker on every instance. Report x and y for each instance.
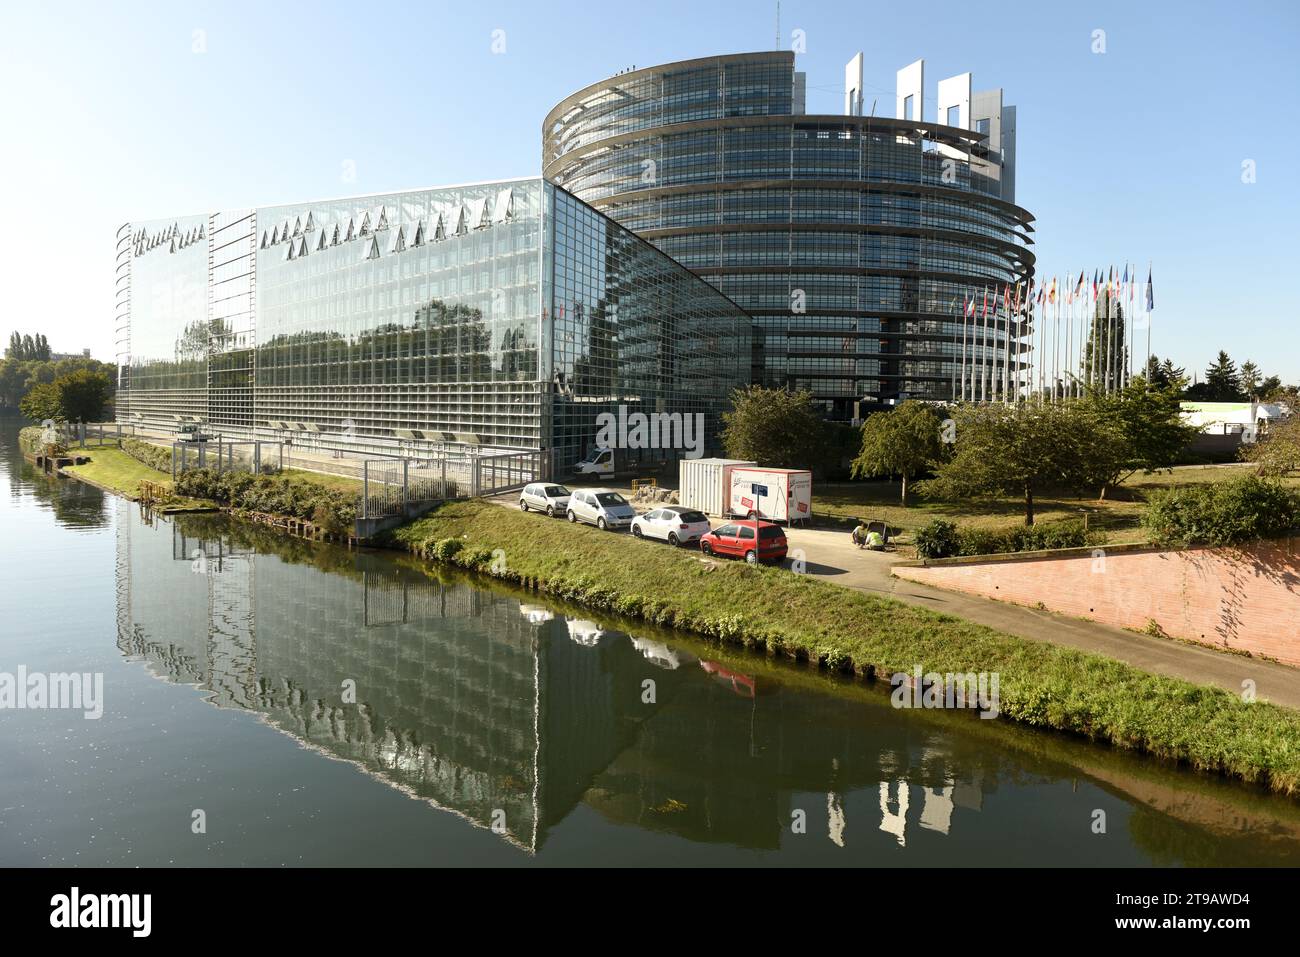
(226, 456)
(390, 486)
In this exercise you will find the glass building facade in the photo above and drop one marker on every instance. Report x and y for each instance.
(502, 315)
(853, 241)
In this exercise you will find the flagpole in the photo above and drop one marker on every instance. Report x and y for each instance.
(1149, 305)
(984, 349)
(1056, 349)
(965, 311)
(1095, 302)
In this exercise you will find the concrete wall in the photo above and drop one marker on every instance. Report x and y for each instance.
(1240, 599)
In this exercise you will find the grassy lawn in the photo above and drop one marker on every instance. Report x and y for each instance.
(341, 483)
(1119, 515)
(1041, 685)
(112, 468)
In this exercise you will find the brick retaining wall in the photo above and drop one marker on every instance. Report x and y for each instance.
(1244, 599)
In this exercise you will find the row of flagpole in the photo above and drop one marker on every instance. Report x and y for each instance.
(1011, 343)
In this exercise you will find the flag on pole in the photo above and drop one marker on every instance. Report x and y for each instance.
(1151, 301)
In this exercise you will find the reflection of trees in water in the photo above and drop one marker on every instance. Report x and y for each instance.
(443, 343)
(74, 503)
(1172, 842)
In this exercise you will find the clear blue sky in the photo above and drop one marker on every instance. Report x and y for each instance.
(109, 114)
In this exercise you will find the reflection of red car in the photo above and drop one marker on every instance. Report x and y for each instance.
(743, 685)
(752, 540)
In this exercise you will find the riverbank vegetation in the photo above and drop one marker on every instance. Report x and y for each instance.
(804, 618)
(332, 510)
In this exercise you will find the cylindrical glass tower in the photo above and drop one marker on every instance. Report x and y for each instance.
(854, 242)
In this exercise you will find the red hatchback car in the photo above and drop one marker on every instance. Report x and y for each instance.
(742, 539)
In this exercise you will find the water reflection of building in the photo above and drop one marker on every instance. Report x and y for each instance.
(479, 704)
(488, 711)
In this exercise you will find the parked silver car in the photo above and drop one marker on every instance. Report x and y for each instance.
(545, 497)
(602, 507)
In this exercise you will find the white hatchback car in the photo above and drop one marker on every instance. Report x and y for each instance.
(602, 507)
(675, 524)
(545, 497)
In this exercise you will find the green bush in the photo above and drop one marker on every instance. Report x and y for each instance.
(150, 455)
(1222, 513)
(938, 539)
(942, 539)
(445, 549)
(332, 510)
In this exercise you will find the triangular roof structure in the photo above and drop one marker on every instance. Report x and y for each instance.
(372, 249)
(417, 234)
(505, 205)
(398, 242)
(439, 229)
(381, 218)
(478, 213)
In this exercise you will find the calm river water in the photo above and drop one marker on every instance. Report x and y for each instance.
(270, 702)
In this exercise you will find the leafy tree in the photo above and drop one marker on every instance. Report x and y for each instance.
(775, 427)
(83, 395)
(905, 441)
(1021, 450)
(1148, 429)
(1272, 390)
(1277, 451)
(28, 347)
(44, 401)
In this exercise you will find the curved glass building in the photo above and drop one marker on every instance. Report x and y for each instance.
(855, 242)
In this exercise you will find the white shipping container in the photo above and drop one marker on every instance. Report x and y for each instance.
(788, 498)
(705, 483)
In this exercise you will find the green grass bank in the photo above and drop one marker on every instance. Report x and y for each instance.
(797, 616)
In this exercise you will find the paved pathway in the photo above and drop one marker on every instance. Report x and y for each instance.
(830, 554)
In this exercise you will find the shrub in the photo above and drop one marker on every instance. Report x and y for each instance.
(1222, 513)
(444, 549)
(938, 539)
(942, 539)
(331, 509)
(150, 455)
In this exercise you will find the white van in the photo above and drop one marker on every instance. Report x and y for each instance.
(602, 507)
(600, 461)
(545, 497)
